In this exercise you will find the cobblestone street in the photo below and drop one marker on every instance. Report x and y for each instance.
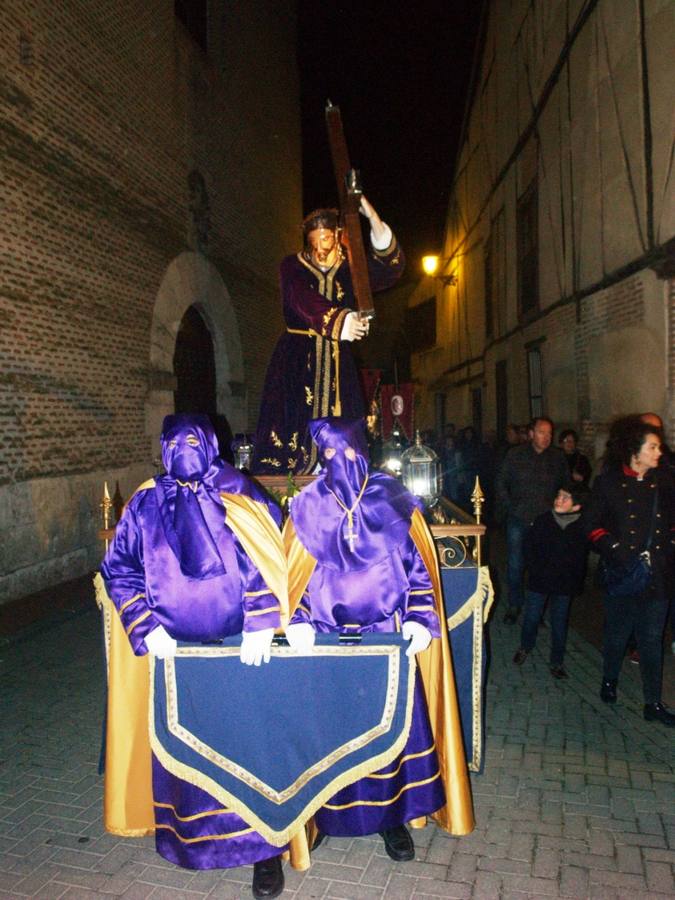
(577, 799)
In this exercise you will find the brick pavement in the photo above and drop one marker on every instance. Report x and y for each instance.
(576, 799)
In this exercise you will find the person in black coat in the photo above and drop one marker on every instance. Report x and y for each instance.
(632, 498)
(555, 550)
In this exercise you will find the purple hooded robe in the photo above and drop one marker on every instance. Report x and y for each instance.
(175, 562)
(369, 577)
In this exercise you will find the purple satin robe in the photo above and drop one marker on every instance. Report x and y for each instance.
(375, 583)
(146, 584)
(380, 599)
(144, 580)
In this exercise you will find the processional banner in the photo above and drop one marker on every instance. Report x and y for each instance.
(274, 742)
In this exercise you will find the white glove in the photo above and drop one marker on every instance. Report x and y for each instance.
(353, 328)
(160, 643)
(255, 646)
(418, 635)
(300, 637)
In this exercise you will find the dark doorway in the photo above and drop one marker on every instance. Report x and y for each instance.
(194, 366)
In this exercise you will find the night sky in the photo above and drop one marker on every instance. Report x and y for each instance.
(400, 75)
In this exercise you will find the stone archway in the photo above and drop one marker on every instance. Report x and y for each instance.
(191, 280)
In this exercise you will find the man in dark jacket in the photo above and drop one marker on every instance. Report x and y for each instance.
(528, 481)
(555, 550)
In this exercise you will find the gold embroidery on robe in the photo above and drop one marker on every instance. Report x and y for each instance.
(276, 440)
(272, 462)
(309, 397)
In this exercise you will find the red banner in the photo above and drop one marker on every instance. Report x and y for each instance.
(398, 403)
(370, 380)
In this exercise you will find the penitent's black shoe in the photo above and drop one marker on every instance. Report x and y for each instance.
(520, 656)
(398, 843)
(657, 712)
(268, 878)
(608, 691)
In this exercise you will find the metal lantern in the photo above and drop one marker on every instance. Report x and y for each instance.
(391, 453)
(421, 471)
(242, 447)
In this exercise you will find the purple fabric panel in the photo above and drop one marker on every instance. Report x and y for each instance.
(369, 598)
(225, 840)
(374, 803)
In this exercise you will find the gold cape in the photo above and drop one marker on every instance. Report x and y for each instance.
(127, 799)
(435, 665)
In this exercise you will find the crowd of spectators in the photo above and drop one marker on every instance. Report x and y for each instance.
(542, 492)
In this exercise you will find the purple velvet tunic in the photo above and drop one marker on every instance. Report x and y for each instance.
(145, 582)
(312, 373)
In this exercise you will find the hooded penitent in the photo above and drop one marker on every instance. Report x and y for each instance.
(194, 554)
(361, 561)
(350, 519)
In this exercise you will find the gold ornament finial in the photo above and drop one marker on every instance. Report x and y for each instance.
(478, 499)
(106, 506)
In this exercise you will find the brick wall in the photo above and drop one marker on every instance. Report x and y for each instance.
(104, 112)
(610, 310)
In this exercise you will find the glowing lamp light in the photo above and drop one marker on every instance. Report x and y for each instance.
(242, 447)
(391, 453)
(421, 471)
(430, 264)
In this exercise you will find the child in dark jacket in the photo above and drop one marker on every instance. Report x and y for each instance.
(555, 551)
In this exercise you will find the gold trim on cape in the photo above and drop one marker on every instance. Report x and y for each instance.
(435, 665)
(259, 536)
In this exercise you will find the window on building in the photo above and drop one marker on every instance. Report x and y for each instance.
(193, 14)
(420, 322)
(535, 382)
(501, 397)
(528, 251)
(495, 277)
(489, 287)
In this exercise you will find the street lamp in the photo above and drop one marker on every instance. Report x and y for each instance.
(242, 447)
(421, 471)
(432, 264)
